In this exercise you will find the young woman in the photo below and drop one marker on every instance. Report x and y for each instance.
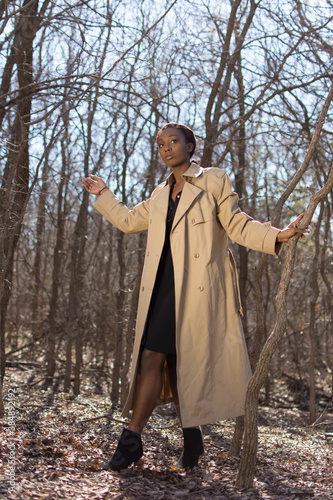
(189, 345)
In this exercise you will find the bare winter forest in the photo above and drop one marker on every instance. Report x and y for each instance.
(84, 87)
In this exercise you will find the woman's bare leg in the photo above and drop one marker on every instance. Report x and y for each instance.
(172, 369)
(149, 388)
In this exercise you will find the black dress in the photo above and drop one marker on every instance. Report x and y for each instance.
(160, 330)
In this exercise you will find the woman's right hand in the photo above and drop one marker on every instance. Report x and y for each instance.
(93, 184)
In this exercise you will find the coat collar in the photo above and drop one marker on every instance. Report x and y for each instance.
(189, 194)
(194, 170)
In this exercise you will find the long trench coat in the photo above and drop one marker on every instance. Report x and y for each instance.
(213, 369)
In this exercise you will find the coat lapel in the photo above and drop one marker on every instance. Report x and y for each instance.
(189, 194)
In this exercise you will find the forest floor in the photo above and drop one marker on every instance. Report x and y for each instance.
(59, 443)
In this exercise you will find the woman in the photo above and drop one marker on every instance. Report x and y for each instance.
(189, 345)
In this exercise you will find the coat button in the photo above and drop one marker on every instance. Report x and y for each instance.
(151, 220)
(143, 289)
(200, 288)
(196, 255)
(193, 221)
(147, 254)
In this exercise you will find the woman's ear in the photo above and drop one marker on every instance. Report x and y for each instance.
(189, 147)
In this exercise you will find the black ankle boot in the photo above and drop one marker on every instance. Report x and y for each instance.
(129, 450)
(193, 448)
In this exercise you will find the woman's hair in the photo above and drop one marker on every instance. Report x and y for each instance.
(187, 132)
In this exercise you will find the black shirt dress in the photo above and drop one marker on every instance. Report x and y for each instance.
(160, 330)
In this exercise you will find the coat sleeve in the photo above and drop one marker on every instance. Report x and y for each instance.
(115, 211)
(242, 228)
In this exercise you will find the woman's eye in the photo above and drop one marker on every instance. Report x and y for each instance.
(160, 145)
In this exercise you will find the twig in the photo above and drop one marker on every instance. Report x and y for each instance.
(24, 363)
(317, 421)
(32, 342)
(97, 418)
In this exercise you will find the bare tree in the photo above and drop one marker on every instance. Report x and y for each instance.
(15, 179)
(247, 466)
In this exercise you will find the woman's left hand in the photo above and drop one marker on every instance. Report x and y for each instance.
(292, 229)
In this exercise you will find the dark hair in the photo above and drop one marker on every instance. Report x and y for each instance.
(187, 132)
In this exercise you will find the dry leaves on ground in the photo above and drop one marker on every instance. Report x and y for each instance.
(61, 442)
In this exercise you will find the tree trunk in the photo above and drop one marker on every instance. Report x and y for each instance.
(74, 335)
(312, 322)
(104, 317)
(15, 181)
(51, 337)
(237, 438)
(329, 295)
(75, 328)
(37, 279)
(236, 444)
(2, 406)
(77, 286)
(131, 320)
(120, 301)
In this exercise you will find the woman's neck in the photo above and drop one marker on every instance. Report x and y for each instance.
(178, 172)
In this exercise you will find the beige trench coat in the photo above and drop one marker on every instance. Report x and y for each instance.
(213, 369)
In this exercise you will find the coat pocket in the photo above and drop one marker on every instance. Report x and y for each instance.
(235, 281)
(201, 214)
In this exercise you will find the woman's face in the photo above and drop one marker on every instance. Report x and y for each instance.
(173, 149)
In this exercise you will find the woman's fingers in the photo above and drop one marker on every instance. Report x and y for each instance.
(93, 183)
(90, 185)
(296, 222)
(290, 231)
